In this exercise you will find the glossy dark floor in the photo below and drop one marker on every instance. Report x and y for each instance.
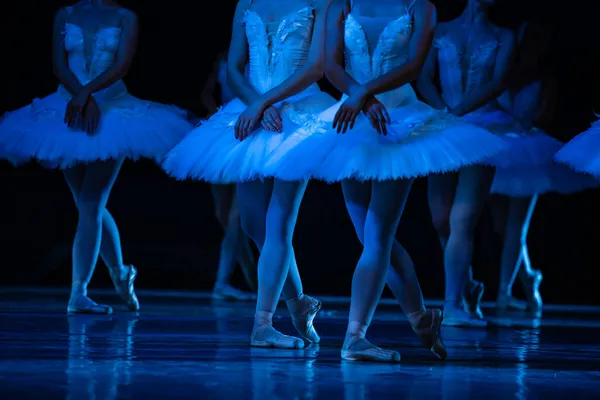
(185, 346)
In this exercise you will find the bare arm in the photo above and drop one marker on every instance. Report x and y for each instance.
(124, 57)
(426, 84)
(60, 57)
(238, 58)
(335, 68)
(493, 89)
(312, 71)
(420, 43)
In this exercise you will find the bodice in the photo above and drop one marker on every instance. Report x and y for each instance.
(365, 62)
(274, 55)
(463, 74)
(89, 55)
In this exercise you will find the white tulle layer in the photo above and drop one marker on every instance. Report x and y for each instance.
(583, 152)
(212, 153)
(129, 127)
(420, 141)
(526, 167)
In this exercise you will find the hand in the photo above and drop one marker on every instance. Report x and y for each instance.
(349, 110)
(456, 111)
(271, 120)
(377, 115)
(91, 116)
(74, 111)
(248, 119)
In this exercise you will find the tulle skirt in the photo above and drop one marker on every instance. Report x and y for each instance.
(420, 141)
(129, 127)
(526, 167)
(582, 154)
(212, 153)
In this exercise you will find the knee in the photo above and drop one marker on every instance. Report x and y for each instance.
(463, 223)
(253, 227)
(441, 224)
(91, 208)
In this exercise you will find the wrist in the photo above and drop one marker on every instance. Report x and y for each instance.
(359, 91)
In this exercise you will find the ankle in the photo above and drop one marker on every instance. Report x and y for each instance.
(415, 317)
(78, 289)
(293, 304)
(263, 318)
(357, 329)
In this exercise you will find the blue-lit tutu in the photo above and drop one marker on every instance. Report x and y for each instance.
(212, 153)
(420, 141)
(582, 153)
(129, 127)
(526, 167)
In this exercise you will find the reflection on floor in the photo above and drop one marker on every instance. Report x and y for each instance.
(185, 346)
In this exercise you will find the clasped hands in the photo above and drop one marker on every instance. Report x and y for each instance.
(83, 109)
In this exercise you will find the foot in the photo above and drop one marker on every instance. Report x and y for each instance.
(229, 293)
(123, 280)
(531, 284)
(80, 304)
(267, 337)
(507, 302)
(303, 312)
(428, 331)
(460, 318)
(472, 299)
(356, 348)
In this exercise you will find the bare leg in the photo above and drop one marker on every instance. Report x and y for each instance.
(512, 257)
(385, 208)
(530, 278)
(441, 192)
(91, 200)
(228, 215)
(471, 193)
(123, 276)
(402, 278)
(269, 210)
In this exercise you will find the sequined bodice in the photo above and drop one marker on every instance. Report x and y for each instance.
(275, 55)
(365, 62)
(87, 63)
(463, 74)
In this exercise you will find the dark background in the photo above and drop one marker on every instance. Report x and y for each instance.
(168, 228)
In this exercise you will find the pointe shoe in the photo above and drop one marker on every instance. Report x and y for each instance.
(471, 301)
(266, 336)
(460, 318)
(229, 293)
(124, 286)
(506, 302)
(360, 349)
(303, 318)
(430, 336)
(80, 304)
(532, 291)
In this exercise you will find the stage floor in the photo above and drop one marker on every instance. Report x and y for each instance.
(183, 346)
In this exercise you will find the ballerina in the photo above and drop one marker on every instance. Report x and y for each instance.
(372, 56)
(235, 247)
(87, 128)
(283, 43)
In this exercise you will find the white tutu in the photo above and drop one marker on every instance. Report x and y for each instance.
(583, 152)
(212, 153)
(526, 168)
(420, 141)
(128, 127)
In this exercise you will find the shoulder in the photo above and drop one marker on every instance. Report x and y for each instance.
(128, 17)
(505, 36)
(63, 13)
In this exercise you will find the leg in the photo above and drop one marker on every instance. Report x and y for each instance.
(91, 203)
(402, 278)
(441, 195)
(123, 276)
(228, 216)
(530, 278)
(383, 215)
(244, 251)
(512, 256)
(472, 191)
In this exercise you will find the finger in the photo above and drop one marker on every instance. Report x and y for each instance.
(246, 128)
(345, 122)
(373, 122)
(236, 129)
(264, 125)
(271, 123)
(353, 119)
(382, 120)
(95, 123)
(386, 115)
(340, 121)
(277, 120)
(338, 117)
